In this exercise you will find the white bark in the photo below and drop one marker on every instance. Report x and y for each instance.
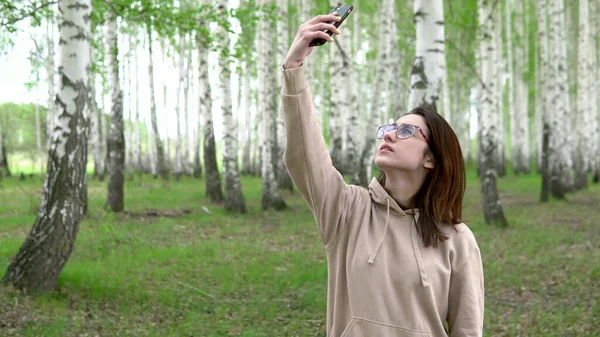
(38, 136)
(519, 124)
(247, 134)
(587, 119)
(375, 115)
(46, 249)
(50, 71)
(561, 162)
(234, 200)
(283, 178)
(186, 111)
(266, 98)
(160, 154)
(488, 116)
(428, 65)
(353, 142)
(137, 152)
(116, 141)
(338, 99)
(500, 69)
(177, 170)
(542, 114)
(397, 82)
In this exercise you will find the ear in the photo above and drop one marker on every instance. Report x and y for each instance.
(429, 162)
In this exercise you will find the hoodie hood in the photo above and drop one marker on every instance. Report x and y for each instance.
(381, 196)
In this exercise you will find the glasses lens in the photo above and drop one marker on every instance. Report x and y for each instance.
(383, 130)
(405, 131)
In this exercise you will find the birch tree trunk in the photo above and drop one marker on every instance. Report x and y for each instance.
(137, 153)
(234, 200)
(116, 141)
(283, 177)
(595, 89)
(213, 179)
(353, 140)
(46, 249)
(38, 135)
(50, 71)
(1, 152)
(500, 69)
(161, 164)
(586, 120)
(96, 126)
(427, 69)
(267, 106)
(177, 170)
(247, 135)
(519, 115)
(561, 165)
(544, 87)
(186, 112)
(488, 123)
(337, 100)
(129, 129)
(374, 117)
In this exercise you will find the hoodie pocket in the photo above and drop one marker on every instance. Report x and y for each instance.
(360, 327)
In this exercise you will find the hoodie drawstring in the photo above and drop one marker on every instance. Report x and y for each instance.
(417, 250)
(387, 221)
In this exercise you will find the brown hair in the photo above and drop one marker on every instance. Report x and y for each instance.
(439, 199)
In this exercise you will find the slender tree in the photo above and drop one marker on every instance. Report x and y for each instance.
(213, 179)
(50, 72)
(178, 169)
(337, 99)
(283, 178)
(488, 123)
(48, 246)
(161, 163)
(268, 108)
(116, 141)
(234, 200)
(427, 69)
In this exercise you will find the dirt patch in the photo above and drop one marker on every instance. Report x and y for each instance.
(166, 213)
(16, 312)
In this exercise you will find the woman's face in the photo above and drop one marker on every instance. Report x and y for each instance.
(408, 154)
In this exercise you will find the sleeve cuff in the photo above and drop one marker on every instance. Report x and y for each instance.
(294, 81)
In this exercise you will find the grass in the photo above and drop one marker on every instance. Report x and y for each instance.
(198, 271)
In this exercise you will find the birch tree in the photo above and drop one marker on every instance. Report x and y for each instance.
(488, 123)
(586, 142)
(283, 177)
(213, 179)
(177, 171)
(560, 157)
(234, 199)
(161, 164)
(115, 141)
(50, 73)
(337, 101)
(519, 121)
(374, 116)
(46, 249)
(267, 106)
(428, 65)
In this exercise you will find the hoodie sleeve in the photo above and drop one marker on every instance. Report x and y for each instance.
(465, 303)
(307, 160)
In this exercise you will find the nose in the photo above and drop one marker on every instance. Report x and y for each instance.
(390, 136)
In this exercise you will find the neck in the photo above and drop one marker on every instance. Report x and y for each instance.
(402, 187)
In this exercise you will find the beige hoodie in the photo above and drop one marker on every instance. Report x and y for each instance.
(382, 281)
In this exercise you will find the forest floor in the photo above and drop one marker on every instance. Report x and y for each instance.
(175, 265)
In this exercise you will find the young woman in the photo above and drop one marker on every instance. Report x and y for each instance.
(400, 262)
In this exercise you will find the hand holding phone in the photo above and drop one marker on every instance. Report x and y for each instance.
(342, 12)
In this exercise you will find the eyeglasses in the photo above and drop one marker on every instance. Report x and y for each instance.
(404, 131)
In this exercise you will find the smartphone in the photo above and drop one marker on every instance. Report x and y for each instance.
(343, 12)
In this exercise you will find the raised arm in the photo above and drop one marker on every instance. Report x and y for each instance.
(306, 156)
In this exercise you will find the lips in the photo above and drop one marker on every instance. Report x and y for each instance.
(386, 147)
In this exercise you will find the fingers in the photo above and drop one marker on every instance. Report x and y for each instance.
(325, 18)
(309, 36)
(324, 26)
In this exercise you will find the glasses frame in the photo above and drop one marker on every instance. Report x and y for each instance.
(396, 127)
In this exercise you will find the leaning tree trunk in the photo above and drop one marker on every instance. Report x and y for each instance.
(488, 123)
(116, 141)
(561, 165)
(267, 97)
(213, 179)
(48, 246)
(161, 164)
(374, 116)
(585, 120)
(234, 200)
(284, 180)
(427, 69)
